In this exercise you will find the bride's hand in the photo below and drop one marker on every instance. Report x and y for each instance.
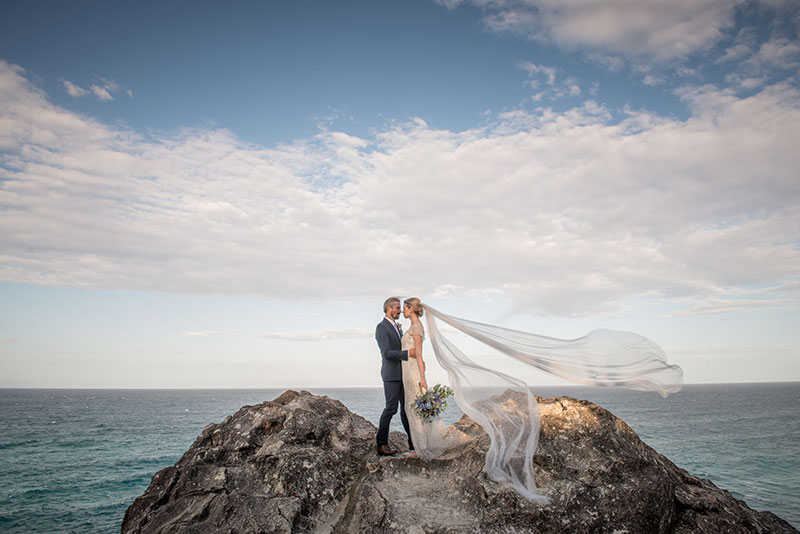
(423, 385)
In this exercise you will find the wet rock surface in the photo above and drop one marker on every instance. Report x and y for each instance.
(305, 463)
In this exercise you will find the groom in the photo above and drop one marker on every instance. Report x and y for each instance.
(388, 334)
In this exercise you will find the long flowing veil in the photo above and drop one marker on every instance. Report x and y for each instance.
(504, 405)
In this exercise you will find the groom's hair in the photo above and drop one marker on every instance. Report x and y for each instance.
(388, 303)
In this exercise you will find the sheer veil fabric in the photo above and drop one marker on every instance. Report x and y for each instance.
(504, 405)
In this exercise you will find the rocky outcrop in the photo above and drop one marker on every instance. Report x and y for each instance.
(305, 463)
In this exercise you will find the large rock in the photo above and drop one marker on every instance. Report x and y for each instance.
(305, 463)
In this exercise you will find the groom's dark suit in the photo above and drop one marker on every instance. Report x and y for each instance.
(392, 374)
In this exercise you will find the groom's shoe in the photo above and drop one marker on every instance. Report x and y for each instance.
(385, 450)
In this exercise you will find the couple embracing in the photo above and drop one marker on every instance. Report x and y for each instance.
(507, 411)
(403, 374)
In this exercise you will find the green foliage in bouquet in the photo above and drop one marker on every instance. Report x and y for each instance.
(432, 403)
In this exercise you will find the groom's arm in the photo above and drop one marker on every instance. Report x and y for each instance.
(382, 337)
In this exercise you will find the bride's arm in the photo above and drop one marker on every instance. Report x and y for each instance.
(418, 355)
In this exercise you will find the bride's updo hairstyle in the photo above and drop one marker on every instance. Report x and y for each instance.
(415, 305)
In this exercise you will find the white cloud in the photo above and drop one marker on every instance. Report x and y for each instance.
(716, 306)
(569, 212)
(763, 51)
(741, 47)
(102, 93)
(542, 79)
(781, 53)
(746, 44)
(652, 80)
(660, 30)
(747, 83)
(322, 335)
(204, 333)
(73, 89)
(104, 90)
(533, 70)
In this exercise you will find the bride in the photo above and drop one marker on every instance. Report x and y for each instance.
(504, 405)
(431, 439)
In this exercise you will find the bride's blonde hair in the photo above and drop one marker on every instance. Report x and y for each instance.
(415, 305)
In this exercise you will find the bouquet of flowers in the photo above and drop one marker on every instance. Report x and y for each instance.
(431, 403)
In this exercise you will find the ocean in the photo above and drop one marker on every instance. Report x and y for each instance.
(73, 460)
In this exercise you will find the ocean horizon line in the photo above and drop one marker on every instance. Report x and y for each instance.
(285, 388)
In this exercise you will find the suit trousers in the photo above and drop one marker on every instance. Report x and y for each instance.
(393, 392)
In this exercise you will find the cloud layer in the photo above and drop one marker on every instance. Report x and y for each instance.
(571, 212)
(745, 44)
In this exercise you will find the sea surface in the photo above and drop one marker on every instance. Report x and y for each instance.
(73, 460)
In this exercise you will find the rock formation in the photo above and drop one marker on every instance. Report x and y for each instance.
(305, 463)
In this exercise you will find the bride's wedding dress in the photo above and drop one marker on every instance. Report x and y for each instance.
(431, 439)
(504, 405)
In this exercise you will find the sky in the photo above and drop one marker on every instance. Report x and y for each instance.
(205, 194)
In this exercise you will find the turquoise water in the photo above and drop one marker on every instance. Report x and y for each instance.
(74, 460)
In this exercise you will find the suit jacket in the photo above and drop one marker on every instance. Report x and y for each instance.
(389, 343)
